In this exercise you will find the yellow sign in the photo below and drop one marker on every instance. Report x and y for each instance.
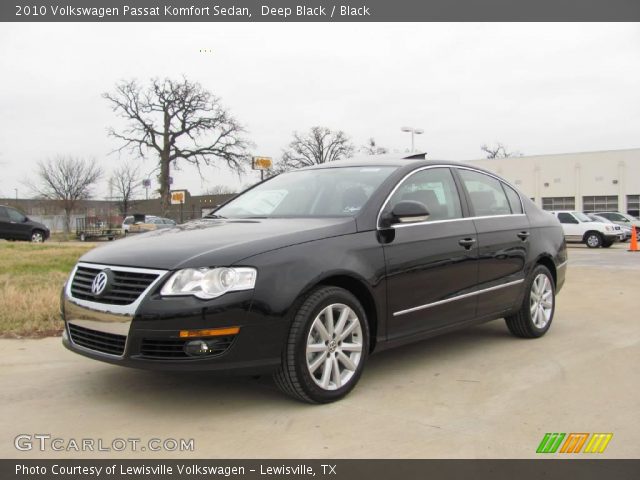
(262, 163)
(178, 197)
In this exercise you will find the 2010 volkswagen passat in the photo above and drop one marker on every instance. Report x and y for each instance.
(308, 273)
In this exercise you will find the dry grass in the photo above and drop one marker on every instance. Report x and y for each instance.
(31, 278)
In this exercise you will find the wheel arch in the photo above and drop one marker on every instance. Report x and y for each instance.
(359, 289)
(547, 261)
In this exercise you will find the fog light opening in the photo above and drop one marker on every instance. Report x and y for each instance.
(197, 348)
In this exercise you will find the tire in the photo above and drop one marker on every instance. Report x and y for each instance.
(524, 323)
(308, 346)
(593, 240)
(37, 236)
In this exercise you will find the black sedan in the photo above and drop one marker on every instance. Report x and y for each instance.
(308, 273)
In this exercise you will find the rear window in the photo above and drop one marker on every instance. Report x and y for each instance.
(486, 193)
(514, 199)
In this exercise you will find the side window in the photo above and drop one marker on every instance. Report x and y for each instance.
(433, 187)
(3, 214)
(514, 199)
(566, 218)
(15, 216)
(486, 193)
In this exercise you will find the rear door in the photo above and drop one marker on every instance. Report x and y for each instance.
(503, 240)
(430, 265)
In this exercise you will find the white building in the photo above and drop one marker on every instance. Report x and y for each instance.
(589, 181)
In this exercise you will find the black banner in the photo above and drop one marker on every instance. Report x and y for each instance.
(317, 10)
(548, 469)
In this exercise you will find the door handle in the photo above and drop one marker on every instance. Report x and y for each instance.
(466, 242)
(523, 235)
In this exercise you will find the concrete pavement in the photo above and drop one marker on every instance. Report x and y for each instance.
(475, 393)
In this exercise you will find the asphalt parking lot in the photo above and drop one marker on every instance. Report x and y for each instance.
(475, 393)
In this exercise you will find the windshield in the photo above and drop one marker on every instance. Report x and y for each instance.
(330, 192)
(582, 217)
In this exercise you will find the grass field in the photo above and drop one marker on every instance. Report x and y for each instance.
(31, 277)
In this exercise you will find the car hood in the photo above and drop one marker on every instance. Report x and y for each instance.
(215, 242)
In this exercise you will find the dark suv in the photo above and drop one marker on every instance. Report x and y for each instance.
(14, 225)
(308, 273)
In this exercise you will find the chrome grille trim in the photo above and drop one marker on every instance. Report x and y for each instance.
(128, 309)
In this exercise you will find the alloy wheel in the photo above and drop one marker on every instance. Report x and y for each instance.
(334, 346)
(541, 300)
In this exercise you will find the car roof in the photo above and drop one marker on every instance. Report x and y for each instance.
(389, 160)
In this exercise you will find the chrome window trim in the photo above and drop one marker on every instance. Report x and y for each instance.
(458, 297)
(427, 222)
(129, 309)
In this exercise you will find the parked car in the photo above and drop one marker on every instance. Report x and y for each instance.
(579, 228)
(309, 272)
(622, 219)
(15, 225)
(130, 220)
(624, 232)
(151, 223)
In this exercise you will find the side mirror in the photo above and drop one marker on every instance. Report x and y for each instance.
(407, 211)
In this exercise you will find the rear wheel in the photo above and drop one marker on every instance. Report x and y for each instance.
(538, 306)
(327, 347)
(593, 240)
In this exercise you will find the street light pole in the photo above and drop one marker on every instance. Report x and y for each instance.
(413, 131)
(16, 194)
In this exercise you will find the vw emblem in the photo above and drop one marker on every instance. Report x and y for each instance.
(99, 283)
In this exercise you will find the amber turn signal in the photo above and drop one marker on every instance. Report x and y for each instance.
(214, 332)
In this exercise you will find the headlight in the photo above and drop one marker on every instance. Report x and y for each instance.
(210, 282)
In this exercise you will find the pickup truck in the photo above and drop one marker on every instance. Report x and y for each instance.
(579, 228)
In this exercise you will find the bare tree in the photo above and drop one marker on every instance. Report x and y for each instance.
(126, 183)
(177, 120)
(66, 179)
(220, 190)
(371, 148)
(319, 145)
(498, 151)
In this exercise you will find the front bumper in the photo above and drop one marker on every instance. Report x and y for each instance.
(150, 337)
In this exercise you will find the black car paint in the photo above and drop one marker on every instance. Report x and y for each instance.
(10, 230)
(380, 266)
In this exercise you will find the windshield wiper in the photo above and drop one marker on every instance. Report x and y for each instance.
(213, 215)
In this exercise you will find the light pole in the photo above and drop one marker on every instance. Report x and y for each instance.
(16, 194)
(414, 131)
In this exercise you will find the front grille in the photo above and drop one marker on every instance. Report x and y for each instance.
(173, 348)
(125, 288)
(100, 341)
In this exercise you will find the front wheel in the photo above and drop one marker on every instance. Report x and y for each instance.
(326, 348)
(593, 240)
(538, 306)
(37, 236)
